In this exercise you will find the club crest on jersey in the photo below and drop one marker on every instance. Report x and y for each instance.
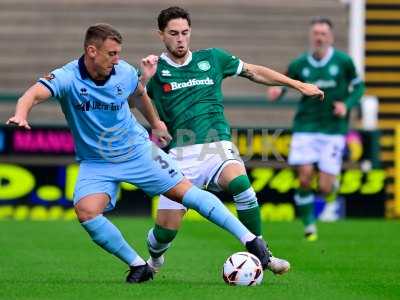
(119, 90)
(204, 65)
(165, 73)
(305, 72)
(333, 70)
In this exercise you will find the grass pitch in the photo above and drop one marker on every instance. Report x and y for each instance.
(56, 260)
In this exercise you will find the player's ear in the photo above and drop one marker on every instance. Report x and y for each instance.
(161, 35)
(91, 50)
(331, 37)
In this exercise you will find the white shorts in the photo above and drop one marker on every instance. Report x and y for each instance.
(325, 150)
(202, 164)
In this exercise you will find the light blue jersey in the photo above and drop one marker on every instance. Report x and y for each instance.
(111, 145)
(98, 113)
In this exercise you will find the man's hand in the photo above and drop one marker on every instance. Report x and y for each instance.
(18, 121)
(160, 135)
(274, 93)
(310, 90)
(339, 109)
(148, 68)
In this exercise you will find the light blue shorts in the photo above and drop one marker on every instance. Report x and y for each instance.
(153, 171)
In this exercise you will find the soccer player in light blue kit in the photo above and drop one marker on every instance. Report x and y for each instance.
(112, 147)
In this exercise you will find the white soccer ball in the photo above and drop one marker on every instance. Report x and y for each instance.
(243, 268)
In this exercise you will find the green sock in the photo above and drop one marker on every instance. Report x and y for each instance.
(251, 218)
(159, 240)
(246, 203)
(304, 200)
(164, 235)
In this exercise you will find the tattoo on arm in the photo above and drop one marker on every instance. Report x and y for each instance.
(247, 74)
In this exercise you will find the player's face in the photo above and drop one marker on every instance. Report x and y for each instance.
(321, 37)
(106, 56)
(176, 37)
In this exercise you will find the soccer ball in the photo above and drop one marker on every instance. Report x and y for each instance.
(242, 268)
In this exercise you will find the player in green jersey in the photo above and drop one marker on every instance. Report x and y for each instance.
(319, 128)
(186, 90)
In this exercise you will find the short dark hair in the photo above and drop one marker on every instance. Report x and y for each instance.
(170, 13)
(321, 20)
(98, 33)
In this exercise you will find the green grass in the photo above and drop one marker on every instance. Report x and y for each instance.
(57, 260)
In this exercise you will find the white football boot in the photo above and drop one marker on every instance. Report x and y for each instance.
(155, 263)
(278, 266)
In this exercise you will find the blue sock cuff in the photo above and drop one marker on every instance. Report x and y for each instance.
(187, 199)
(93, 224)
(210, 207)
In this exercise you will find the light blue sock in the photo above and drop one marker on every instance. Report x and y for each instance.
(107, 236)
(210, 207)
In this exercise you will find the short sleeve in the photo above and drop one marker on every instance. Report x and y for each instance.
(351, 72)
(292, 70)
(229, 64)
(58, 82)
(134, 82)
(150, 87)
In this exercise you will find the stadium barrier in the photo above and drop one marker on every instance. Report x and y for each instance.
(38, 174)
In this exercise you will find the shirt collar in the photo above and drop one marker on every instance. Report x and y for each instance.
(322, 62)
(169, 61)
(85, 74)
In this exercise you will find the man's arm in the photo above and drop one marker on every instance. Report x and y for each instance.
(340, 108)
(148, 67)
(139, 98)
(143, 103)
(356, 85)
(356, 88)
(355, 95)
(266, 76)
(34, 95)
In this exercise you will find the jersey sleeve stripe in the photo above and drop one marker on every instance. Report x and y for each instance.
(48, 86)
(137, 84)
(355, 81)
(239, 68)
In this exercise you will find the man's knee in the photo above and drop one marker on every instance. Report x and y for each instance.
(90, 206)
(325, 187)
(326, 183)
(229, 173)
(305, 174)
(178, 191)
(305, 183)
(170, 218)
(85, 214)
